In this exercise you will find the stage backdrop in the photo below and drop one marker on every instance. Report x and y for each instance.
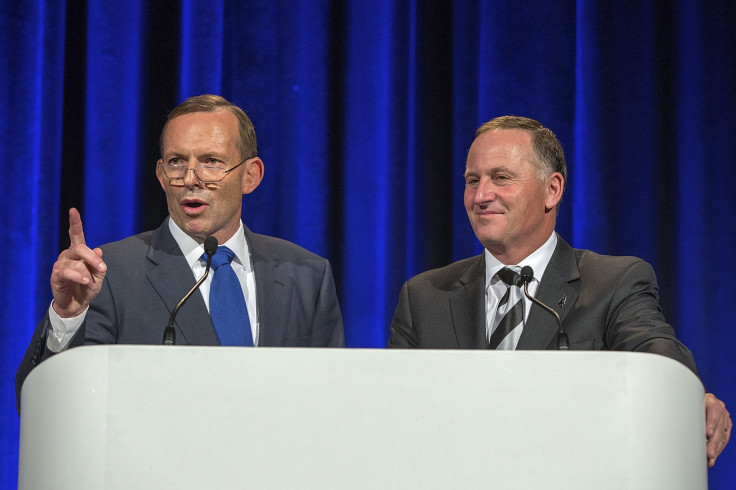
(364, 112)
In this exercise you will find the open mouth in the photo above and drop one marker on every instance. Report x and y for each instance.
(193, 206)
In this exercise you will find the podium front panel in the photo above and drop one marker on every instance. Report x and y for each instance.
(122, 417)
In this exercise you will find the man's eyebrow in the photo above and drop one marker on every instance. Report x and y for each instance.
(499, 168)
(205, 155)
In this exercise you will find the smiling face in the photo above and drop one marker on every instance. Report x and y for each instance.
(199, 138)
(511, 210)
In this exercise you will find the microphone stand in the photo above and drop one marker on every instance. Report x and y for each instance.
(563, 342)
(210, 247)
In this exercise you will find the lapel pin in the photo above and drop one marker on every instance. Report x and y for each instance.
(562, 301)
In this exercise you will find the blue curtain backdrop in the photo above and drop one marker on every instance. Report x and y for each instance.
(364, 112)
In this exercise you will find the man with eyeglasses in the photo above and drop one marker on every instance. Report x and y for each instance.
(124, 292)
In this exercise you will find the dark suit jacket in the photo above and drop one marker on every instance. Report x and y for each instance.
(148, 275)
(605, 303)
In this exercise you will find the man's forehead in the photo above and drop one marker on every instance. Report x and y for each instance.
(498, 148)
(220, 116)
(503, 138)
(219, 125)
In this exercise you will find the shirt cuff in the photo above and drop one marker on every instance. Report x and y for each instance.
(62, 329)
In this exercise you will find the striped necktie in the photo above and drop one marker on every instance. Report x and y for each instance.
(510, 313)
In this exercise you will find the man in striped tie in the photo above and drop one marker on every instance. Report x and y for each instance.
(515, 176)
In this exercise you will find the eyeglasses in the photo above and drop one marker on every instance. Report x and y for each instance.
(206, 174)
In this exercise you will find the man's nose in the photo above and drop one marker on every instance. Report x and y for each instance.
(484, 192)
(190, 176)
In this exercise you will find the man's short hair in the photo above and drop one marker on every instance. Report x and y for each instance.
(550, 157)
(209, 103)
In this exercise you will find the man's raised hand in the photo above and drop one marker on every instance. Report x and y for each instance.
(78, 272)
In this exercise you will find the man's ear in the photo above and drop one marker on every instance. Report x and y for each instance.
(160, 175)
(555, 186)
(253, 174)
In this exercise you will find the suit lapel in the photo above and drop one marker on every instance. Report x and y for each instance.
(171, 277)
(558, 289)
(467, 307)
(274, 287)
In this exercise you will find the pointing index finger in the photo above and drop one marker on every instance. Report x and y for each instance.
(76, 232)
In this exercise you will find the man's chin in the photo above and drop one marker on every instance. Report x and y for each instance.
(197, 233)
(487, 235)
(193, 227)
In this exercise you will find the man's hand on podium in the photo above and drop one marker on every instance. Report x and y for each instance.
(717, 427)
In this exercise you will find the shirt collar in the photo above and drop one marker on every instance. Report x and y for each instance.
(538, 260)
(193, 248)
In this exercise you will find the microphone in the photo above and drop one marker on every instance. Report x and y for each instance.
(527, 275)
(210, 247)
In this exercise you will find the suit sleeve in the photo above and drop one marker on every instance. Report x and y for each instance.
(98, 327)
(403, 334)
(38, 352)
(327, 317)
(635, 321)
(101, 323)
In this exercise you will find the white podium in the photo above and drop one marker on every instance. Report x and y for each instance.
(140, 417)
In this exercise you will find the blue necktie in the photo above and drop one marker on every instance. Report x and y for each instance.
(227, 304)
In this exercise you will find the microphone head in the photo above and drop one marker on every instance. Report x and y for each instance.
(510, 277)
(210, 246)
(527, 274)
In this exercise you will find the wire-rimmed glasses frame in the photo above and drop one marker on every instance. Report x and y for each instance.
(199, 172)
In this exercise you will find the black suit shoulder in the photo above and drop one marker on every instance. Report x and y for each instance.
(589, 260)
(442, 308)
(613, 303)
(450, 276)
(615, 277)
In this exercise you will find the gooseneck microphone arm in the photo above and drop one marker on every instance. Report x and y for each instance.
(527, 275)
(210, 248)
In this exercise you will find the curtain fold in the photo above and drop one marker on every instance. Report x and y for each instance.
(112, 156)
(364, 113)
(32, 39)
